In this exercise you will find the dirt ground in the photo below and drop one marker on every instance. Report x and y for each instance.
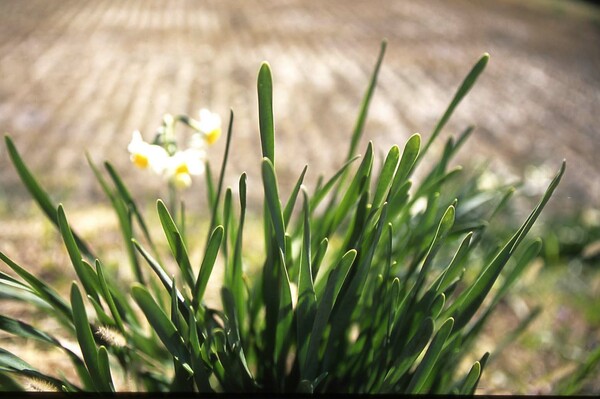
(78, 76)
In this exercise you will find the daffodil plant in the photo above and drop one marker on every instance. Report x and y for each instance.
(368, 294)
(164, 157)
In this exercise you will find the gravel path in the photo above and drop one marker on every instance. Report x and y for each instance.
(78, 76)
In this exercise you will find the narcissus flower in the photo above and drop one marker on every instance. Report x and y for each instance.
(177, 168)
(183, 165)
(145, 155)
(210, 125)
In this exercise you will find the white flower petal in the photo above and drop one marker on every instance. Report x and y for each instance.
(146, 155)
(209, 121)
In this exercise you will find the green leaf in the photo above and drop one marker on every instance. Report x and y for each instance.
(265, 112)
(104, 367)
(237, 282)
(571, 384)
(103, 317)
(364, 108)
(307, 301)
(201, 372)
(321, 192)
(178, 248)
(124, 217)
(438, 305)
(284, 317)
(289, 206)
(430, 358)
(215, 209)
(176, 318)
(227, 212)
(108, 297)
(208, 263)
(27, 331)
(354, 190)
(85, 338)
(161, 324)
(319, 256)
(42, 290)
(454, 268)
(355, 286)
(163, 277)
(8, 384)
(237, 362)
(273, 202)
(441, 233)
(468, 386)
(526, 258)
(466, 305)
(210, 186)
(127, 198)
(86, 274)
(462, 91)
(407, 355)
(11, 363)
(38, 193)
(325, 304)
(385, 177)
(407, 161)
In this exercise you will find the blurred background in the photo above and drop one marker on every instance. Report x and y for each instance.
(80, 76)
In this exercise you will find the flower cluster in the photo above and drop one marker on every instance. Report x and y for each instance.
(164, 158)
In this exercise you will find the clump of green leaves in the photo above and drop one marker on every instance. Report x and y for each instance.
(371, 282)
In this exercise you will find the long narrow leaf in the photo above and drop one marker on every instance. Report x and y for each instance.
(462, 91)
(430, 358)
(163, 277)
(108, 297)
(11, 363)
(354, 191)
(176, 243)
(366, 102)
(284, 319)
(326, 302)
(407, 355)
(322, 191)
(161, 324)
(38, 193)
(40, 288)
(466, 306)
(407, 161)
(214, 217)
(86, 274)
(468, 387)
(289, 206)
(124, 219)
(265, 112)
(273, 202)
(27, 331)
(237, 281)
(104, 368)
(128, 199)
(386, 176)
(208, 263)
(307, 301)
(85, 338)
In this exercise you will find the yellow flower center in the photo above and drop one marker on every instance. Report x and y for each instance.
(139, 160)
(182, 168)
(213, 135)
